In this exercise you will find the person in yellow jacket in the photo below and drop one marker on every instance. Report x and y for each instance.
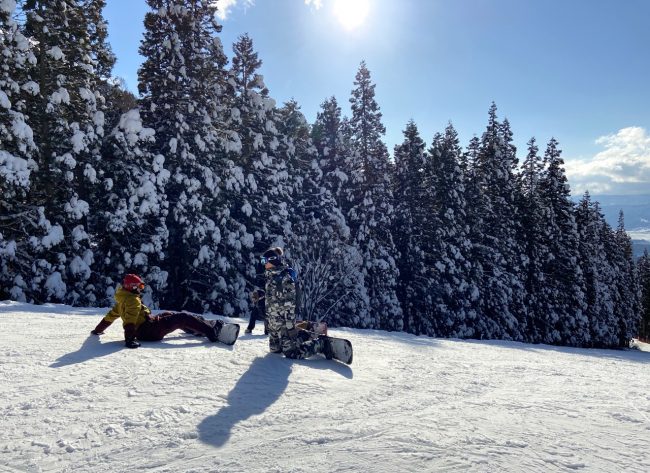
(140, 324)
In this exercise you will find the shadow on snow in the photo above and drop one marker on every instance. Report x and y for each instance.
(258, 388)
(92, 347)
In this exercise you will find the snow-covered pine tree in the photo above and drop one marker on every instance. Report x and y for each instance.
(530, 208)
(563, 289)
(317, 241)
(15, 134)
(328, 138)
(612, 321)
(598, 273)
(268, 187)
(255, 202)
(112, 104)
(178, 83)
(134, 210)
(118, 99)
(411, 218)
(67, 117)
(370, 201)
(477, 208)
(291, 158)
(643, 266)
(627, 289)
(496, 247)
(19, 219)
(448, 246)
(101, 51)
(331, 136)
(513, 248)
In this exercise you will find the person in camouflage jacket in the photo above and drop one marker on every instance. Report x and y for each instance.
(281, 295)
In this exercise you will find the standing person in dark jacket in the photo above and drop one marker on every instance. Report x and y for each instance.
(258, 311)
(280, 295)
(140, 324)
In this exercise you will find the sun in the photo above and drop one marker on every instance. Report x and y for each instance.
(351, 13)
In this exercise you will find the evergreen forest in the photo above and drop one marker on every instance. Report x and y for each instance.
(189, 182)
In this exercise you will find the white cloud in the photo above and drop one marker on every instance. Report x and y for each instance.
(317, 4)
(224, 6)
(623, 167)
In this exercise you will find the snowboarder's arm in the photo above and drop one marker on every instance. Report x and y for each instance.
(106, 321)
(112, 315)
(101, 326)
(146, 313)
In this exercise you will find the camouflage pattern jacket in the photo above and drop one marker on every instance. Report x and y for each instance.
(281, 300)
(281, 296)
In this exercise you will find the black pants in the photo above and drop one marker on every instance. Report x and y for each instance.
(258, 313)
(165, 323)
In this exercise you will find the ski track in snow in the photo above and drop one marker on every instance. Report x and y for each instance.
(70, 402)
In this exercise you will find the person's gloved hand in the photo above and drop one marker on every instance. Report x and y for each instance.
(95, 332)
(257, 295)
(131, 344)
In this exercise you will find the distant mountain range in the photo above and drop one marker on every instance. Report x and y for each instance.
(639, 246)
(636, 212)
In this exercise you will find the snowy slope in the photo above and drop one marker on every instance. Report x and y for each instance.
(70, 402)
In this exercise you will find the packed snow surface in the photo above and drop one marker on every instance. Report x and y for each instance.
(70, 402)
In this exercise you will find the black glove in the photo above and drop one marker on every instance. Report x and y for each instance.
(131, 343)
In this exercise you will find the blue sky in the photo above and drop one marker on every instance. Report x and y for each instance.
(578, 70)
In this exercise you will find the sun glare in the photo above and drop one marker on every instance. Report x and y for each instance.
(351, 13)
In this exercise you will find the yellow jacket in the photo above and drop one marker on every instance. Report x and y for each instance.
(129, 307)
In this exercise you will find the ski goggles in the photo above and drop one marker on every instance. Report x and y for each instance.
(270, 259)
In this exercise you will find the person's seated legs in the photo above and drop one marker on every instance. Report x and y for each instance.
(170, 321)
(304, 346)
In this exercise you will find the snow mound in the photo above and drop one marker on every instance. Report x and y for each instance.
(639, 345)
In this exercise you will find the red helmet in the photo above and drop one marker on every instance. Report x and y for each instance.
(133, 282)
